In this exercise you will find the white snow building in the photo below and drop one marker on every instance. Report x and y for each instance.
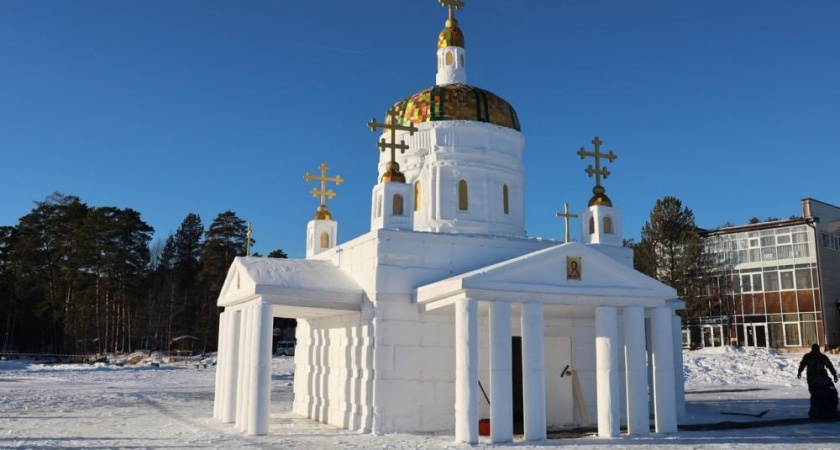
(445, 313)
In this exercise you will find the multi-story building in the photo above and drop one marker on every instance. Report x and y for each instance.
(777, 284)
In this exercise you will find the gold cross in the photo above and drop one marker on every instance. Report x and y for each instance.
(597, 171)
(248, 241)
(393, 146)
(323, 192)
(452, 5)
(567, 216)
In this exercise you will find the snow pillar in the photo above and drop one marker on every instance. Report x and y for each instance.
(260, 386)
(231, 367)
(664, 405)
(649, 346)
(244, 366)
(533, 371)
(679, 378)
(221, 353)
(606, 370)
(501, 373)
(466, 370)
(635, 362)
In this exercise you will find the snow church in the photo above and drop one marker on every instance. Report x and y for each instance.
(445, 314)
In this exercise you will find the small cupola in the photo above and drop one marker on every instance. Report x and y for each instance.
(601, 222)
(392, 198)
(322, 230)
(451, 57)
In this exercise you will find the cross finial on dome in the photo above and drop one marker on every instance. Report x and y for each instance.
(452, 5)
(392, 172)
(567, 216)
(599, 192)
(323, 213)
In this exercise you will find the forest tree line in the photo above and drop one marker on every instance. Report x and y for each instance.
(81, 279)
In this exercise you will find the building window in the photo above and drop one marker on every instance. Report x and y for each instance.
(463, 203)
(787, 279)
(325, 240)
(771, 281)
(746, 285)
(803, 279)
(397, 205)
(462, 61)
(505, 199)
(751, 282)
(417, 198)
(591, 225)
(756, 282)
(608, 228)
(449, 58)
(792, 334)
(378, 211)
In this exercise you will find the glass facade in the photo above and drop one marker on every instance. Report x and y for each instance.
(769, 277)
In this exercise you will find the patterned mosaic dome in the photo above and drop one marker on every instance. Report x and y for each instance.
(456, 102)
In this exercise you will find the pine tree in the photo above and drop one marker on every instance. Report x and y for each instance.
(186, 247)
(671, 250)
(225, 239)
(9, 305)
(278, 253)
(47, 254)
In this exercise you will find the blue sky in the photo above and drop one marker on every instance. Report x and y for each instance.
(205, 106)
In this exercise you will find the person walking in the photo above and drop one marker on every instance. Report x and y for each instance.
(816, 364)
(822, 390)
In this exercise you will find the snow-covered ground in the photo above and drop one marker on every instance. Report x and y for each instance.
(171, 406)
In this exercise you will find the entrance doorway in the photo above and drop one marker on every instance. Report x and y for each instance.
(559, 399)
(755, 334)
(518, 403)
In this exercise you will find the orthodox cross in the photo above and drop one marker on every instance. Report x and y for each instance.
(565, 214)
(597, 171)
(452, 5)
(323, 192)
(248, 241)
(393, 146)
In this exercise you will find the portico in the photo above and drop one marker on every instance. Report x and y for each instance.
(529, 292)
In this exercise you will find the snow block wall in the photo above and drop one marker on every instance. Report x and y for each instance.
(334, 371)
(414, 389)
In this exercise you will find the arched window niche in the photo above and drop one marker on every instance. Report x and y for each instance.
(325, 240)
(397, 205)
(417, 198)
(591, 225)
(608, 225)
(463, 198)
(505, 199)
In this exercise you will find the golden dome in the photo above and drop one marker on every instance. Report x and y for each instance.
(323, 213)
(456, 102)
(599, 197)
(451, 36)
(392, 173)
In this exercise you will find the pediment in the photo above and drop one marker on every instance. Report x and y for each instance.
(550, 275)
(291, 283)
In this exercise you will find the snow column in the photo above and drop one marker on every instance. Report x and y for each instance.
(606, 370)
(501, 384)
(260, 385)
(679, 379)
(664, 403)
(231, 366)
(635, 362)
(533, 371)
(466, 370)
(220, 362)
(244, 366)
